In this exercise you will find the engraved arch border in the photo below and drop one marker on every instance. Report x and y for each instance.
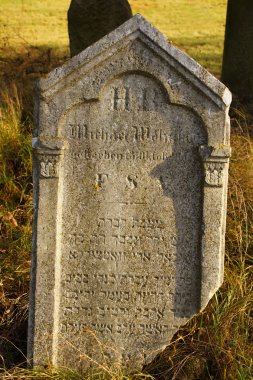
(165, 90)
(162, 84)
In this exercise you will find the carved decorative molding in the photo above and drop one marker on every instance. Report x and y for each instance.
(48, 155)
(214, 173)
(214, 160)
(49, 165)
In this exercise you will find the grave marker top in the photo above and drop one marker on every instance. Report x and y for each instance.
(90, 20)
(131, 157)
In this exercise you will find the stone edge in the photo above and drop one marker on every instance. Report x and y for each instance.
(137, 23)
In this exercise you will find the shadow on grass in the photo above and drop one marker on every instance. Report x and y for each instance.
(23, 67)
(13, 346)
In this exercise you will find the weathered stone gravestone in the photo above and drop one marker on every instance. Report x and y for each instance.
(90, 20)
(131, 155)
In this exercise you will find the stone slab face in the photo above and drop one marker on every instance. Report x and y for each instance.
(131, 151)
(90, 20)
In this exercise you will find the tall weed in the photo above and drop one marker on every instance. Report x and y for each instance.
(218, 343)
(15, 220)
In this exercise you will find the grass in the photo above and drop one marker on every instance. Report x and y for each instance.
(15, 220)
(67, 374)
(218, 343)
(196, 26)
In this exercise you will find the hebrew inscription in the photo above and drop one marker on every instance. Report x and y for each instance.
(130, 260)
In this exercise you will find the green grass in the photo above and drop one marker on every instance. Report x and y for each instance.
(35, 23)
(196, 26)
(218, 343)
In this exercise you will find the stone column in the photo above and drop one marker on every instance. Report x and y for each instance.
(47, 231)
(215, 161)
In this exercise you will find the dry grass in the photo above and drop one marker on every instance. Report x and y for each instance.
(66, 374)
(217, 344)
(15, 219)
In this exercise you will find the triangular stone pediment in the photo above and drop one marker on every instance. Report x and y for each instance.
(139, 29)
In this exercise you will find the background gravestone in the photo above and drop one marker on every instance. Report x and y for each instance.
(131, 152)
(90, 20)
(237, 68)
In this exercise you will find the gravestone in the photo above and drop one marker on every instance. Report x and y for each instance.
(90, 20)
(237, 67)
(131, 151)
